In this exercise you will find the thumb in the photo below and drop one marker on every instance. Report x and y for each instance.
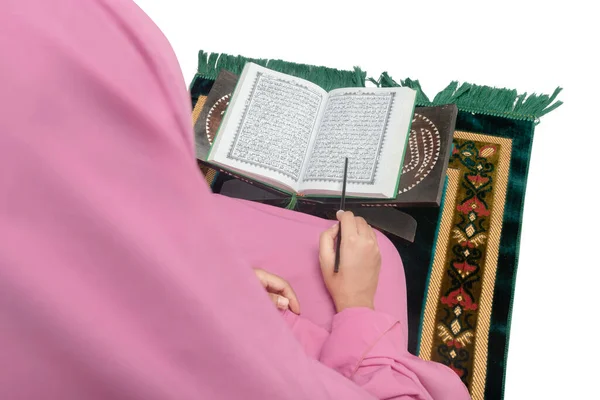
(327, 247)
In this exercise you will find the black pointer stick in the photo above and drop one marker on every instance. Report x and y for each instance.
(336, 266)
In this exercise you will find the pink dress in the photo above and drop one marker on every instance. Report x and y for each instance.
(122, 276)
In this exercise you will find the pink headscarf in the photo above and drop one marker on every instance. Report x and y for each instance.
(101, 208)
(116, 280)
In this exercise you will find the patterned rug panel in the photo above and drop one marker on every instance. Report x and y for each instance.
(461, 284)
(466, 318)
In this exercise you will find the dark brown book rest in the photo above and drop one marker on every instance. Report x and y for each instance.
(421, 182)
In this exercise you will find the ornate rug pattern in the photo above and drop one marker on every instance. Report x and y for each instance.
(472, 240)
(460, 293)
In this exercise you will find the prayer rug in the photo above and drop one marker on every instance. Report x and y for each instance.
(461, 268)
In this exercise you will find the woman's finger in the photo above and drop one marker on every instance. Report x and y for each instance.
(372, 233)
(328, 237)
(362, 227)
(280, 302)
(348, 223)
(290, 295)
(277, 285)
(327, 246)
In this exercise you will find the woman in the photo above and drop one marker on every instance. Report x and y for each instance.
(122, 277)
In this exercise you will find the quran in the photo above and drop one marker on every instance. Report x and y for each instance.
(290, 134)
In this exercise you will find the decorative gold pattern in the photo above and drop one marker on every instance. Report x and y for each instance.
(457, 338)
(209, 173)
(198, 108)
(491, 259)
(437, 269)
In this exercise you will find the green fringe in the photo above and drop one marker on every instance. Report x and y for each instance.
(209, 67)
(483, 99)
(467, 97)
(386, 81)
(293, 201)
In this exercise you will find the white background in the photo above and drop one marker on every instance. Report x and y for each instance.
(530, 46)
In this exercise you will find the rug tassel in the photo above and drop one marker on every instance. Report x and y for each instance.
(209, 67)
(421, 97)
(386, 81)
(373, 81)
(483, 99)
(468, 97)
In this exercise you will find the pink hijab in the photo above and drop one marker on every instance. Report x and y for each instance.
(111, 286)
(101, 294)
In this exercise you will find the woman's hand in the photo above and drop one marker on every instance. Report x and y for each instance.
(279, 290)
(355, 283)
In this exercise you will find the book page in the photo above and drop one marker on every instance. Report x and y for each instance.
(367, 126)
(269, 124)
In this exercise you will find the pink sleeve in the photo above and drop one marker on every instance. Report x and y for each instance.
(368, 347)
(310, 336)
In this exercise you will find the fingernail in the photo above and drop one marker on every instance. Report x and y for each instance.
(339, 211)
(282, 302)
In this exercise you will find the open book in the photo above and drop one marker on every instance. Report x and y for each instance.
(293, 135)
